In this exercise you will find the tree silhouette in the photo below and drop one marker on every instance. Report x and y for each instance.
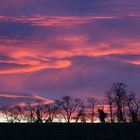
(119, 90)
(41, 113)
(102, 115)
(133, 105)
(91, 108)
(67, 106)
(29, 113)
(80, 113)
(121, 106)
(110, 102)
(51, 110)
(12, 114)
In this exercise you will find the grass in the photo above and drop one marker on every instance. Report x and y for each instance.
(70, 131)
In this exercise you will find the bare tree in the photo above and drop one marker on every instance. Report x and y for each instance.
(110, 102)
(51, 110)
(80, 113)
(133, 106)
(18, 113)
(29, 113)
(67, 106)
(12, 114)
(41, 112)
(91, 108)
(119, 90)
(5, 112)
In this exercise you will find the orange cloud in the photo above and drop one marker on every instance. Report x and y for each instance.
(33, 58)
(30, 62)
(96, 50)
(32, 68)
(136, 62)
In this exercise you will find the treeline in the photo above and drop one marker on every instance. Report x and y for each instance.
(119, 106)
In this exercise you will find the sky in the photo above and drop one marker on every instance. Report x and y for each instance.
(78, 48)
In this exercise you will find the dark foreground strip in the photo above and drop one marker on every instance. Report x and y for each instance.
(69, 131)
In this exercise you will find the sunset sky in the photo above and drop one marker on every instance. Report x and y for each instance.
(52, 48)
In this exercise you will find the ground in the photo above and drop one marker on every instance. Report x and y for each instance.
(70, 132)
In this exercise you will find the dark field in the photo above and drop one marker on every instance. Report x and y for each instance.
(70, 132)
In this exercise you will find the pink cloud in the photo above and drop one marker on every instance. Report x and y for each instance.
(33, 97)
(64, 21)
(30, 59)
